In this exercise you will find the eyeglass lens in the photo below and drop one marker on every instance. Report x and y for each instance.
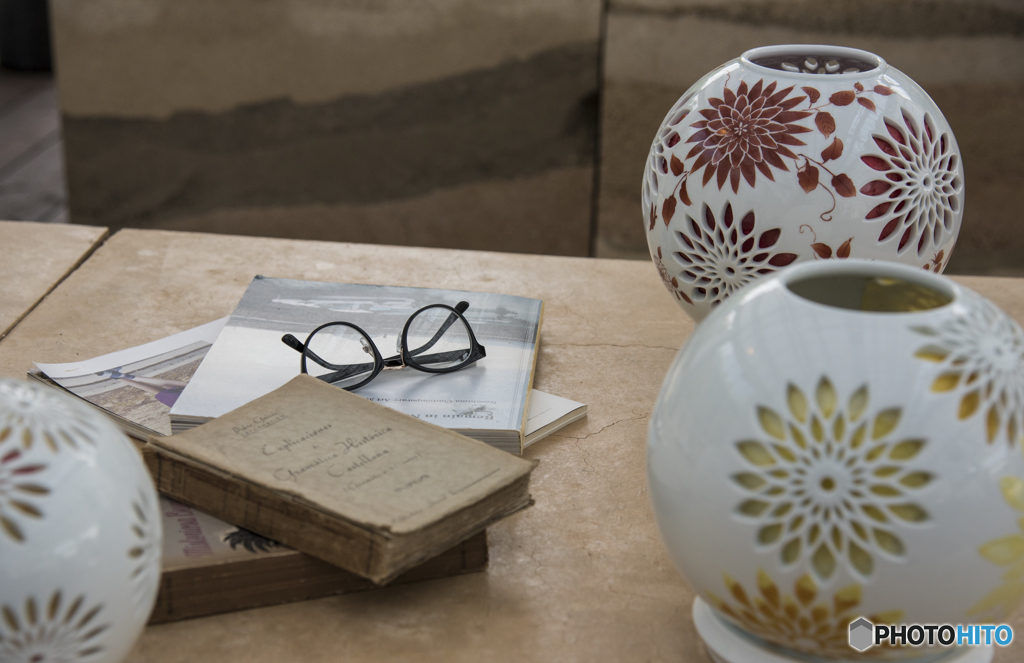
(438, 339)
(346, 349)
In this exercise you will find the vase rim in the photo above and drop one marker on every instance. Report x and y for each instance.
(861, 268)
(804, 50)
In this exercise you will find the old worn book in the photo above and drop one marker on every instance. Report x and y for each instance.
(341, 478)
(210, 567)
(488, 401)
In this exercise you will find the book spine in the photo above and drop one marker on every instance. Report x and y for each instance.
(265, 512)
(275, 579)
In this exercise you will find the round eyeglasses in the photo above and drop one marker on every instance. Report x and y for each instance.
(435, 339)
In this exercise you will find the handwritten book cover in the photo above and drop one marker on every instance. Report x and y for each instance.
(341, 478)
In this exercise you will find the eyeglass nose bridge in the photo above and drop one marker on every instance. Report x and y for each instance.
(395, 364)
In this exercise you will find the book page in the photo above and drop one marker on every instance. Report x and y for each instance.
(344, 455)
(547, 408)
(194, 539)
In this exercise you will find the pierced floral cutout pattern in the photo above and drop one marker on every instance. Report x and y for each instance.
(830, 483)
(813, 65)
(30, 416)
(51, 631)
(803, 620)
(918, 186)
(981, 358)
(671, 282)
(144, 551)
(658, 163)
(1007, 551)
(20, 491)
(718, 256)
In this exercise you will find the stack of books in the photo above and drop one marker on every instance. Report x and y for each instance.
(329, 507)
(487, 401)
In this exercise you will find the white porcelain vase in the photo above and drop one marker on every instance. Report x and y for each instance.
(798, 153)
(843, 440)
(80, 535)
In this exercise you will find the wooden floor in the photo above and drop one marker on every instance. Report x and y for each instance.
(32, 186)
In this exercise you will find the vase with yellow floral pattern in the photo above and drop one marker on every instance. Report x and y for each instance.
(844, 440)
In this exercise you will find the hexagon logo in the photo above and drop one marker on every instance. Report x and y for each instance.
(862, 634)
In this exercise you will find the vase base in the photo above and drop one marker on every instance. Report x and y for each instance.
(725, 645)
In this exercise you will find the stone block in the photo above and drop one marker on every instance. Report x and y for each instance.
(329, 119)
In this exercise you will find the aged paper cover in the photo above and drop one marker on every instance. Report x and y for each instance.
(318, 447)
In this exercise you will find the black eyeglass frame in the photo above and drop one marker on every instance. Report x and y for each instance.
(405, 357)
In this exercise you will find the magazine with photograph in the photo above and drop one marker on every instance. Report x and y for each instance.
(136, 387)
(487, 401)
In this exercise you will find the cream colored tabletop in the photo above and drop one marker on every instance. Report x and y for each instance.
(34, 257)
(581, 576)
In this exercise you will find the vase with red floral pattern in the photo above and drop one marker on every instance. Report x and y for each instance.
(798, 153)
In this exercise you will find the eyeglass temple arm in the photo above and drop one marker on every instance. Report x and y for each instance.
(296, 344)
(355, 369)
(451, 355)
(461, 308)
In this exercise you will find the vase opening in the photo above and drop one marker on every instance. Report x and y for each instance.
(814, 60)
(874, 294)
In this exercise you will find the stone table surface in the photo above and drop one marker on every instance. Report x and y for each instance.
(581, 576)
(34, 257)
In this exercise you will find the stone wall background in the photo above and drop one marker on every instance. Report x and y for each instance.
(462, 123)
(479, 124)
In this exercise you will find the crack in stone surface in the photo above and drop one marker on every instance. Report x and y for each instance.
(586, 454)
(548, 608)
(592, 469)
(602, 429)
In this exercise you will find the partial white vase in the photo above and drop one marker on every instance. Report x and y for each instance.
(80, 535)
(843, 440)
(798, 153)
